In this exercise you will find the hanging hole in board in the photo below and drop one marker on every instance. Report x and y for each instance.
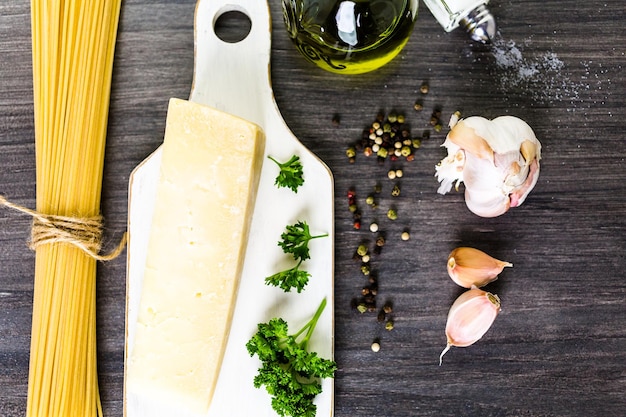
(232, 26)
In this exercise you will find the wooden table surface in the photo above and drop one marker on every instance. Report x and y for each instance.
(558, 348)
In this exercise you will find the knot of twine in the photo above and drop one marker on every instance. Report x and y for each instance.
(83, 233)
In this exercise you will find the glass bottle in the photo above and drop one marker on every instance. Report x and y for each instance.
(350, 36)
(473, 15)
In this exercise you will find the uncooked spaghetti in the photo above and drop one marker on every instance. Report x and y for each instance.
(73, 48)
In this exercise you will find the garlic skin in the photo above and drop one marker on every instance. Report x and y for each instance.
(470, 267)
(497, 160)
(469, 318)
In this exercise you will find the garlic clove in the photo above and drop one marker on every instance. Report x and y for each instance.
(470, 267)
(469, 318)
(465, 137)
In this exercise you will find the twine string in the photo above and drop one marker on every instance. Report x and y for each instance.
(84, 233)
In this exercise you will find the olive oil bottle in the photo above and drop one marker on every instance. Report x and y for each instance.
(350, 36)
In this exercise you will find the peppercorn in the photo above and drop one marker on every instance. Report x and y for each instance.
(352, 208)
(416, 143)
(424, 88)
(418, 106)
(392, 117)
(391, 174)
(405, 151)
(351, 152)
(373, 289)
(438, 127)
(395, 191)
(400, 119)
(378, 188)
(392, 214)
(365, 291)
(389, 325)
(369, 200)
(362, 308)
(365, 270)
(374, 227)
(365, 259)
(336, 120)
(367, 151)
(362, 250)
(382, 153)
(381, 316)
(387, 308)
(356, 225)
(375, 346)
(405, 235)
(399, 173)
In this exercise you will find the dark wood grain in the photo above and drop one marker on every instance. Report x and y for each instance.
(558, 347)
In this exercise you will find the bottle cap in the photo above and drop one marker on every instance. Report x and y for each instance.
(480, 24)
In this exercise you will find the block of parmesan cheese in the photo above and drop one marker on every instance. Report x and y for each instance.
(209, 174)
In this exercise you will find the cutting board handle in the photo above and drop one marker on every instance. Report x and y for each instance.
(235, 76)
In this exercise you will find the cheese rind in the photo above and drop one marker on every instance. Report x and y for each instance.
(210, 168)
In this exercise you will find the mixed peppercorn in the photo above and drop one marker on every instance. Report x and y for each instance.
(365, 302)
(387, 138)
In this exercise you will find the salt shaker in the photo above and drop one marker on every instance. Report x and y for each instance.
(473, 15)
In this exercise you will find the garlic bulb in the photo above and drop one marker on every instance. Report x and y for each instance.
(469, 318)
(497, 160)
(472, 267)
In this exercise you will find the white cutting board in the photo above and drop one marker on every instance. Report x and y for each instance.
(235, 78)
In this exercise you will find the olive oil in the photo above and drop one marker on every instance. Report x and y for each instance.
(350, 36)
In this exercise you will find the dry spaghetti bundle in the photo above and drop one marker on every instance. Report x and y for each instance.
(73, 47)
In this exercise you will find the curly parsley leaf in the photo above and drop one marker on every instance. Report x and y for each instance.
(291, 173)
(295, 240)
(290, 278)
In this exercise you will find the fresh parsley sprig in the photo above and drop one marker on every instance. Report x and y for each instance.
(291, 173)
(295, 240)
(290, 373)
(290, 278)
